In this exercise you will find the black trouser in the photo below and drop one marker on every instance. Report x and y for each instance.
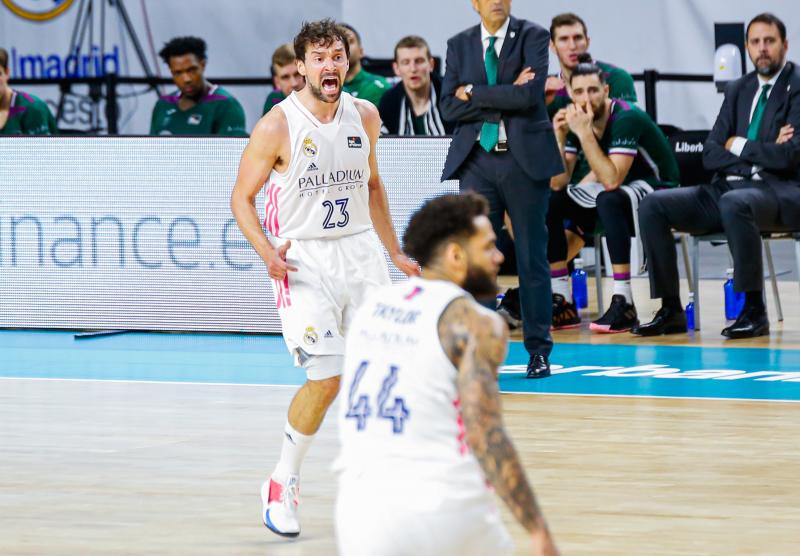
(507, 187)
(742, 209)
(615, 212)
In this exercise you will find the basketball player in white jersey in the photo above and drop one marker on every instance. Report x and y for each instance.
(315, 151)
(422, 437)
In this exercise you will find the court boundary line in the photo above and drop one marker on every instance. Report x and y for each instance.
(582, 395)
(133, 381)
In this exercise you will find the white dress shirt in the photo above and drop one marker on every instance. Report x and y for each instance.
(498, 46)
(739, 143)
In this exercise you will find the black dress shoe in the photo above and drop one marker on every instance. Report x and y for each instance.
(666, 321)
(752, 322)
(538, 366)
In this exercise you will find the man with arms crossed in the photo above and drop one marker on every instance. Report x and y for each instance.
(316, 153)
(420, 423)
(755, 152)
(503, 147)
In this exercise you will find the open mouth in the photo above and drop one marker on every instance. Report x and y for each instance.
(330, 85)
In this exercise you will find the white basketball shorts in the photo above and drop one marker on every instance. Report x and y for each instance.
(317, 302)
(368, 523)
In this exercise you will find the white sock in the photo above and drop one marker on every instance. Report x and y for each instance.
(623, 287)
(561, 286)
(295, 446)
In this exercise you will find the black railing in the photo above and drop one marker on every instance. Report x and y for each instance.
(110, 82)
(651, 79)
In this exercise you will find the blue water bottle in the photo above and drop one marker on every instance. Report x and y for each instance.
(579, 292)
(734, 301)
(690, 313)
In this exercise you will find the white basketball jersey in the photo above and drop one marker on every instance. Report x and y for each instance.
(323, 194)
(399, 415)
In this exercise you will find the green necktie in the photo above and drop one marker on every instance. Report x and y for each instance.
(758, 114)
(490, 132)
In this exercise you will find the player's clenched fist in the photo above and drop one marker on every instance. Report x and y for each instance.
(277, 265)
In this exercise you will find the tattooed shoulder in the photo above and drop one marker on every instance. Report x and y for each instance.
(464, 320)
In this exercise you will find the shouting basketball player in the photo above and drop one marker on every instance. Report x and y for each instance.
(420, 423)
(316, 153)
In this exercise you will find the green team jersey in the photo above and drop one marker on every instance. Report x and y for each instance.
(217, 113)
(272, 99)
(620, 85)
(631, 132)
(367, 86)
(28, 115)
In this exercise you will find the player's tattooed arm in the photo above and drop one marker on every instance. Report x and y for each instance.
(476, 344)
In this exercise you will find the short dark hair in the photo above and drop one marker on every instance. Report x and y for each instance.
(562, 20)
(4, 58)
(769, 19)
(283, 56)
(352, 30)
(324, 32)
(412, 41)
(180, 46)
(442, 219)
(586, 66)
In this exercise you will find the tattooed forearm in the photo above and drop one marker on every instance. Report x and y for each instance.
(486, 437)
(480, 410)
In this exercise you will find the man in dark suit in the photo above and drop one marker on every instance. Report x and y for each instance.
(755, 153)
(504, 147)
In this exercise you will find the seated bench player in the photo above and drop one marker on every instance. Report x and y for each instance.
(614, 155)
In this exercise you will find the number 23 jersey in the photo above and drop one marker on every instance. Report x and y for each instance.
(324, 193)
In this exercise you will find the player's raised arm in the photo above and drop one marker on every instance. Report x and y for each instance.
(258, 159)
(476, 344)
(378, 201)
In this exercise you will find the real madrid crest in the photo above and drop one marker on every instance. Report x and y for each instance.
(309, 148)
(310, 337)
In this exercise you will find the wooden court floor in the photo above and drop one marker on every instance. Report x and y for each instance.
(143, 468)
(113, 467)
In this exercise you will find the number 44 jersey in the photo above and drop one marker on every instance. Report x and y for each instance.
(323, 194)
(399, 418)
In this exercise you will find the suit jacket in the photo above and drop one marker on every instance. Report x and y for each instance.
(522, 108)
(780, 163)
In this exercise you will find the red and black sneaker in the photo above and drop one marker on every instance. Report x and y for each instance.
(565, 314)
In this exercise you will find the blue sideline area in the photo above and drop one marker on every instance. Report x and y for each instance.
(599, 370)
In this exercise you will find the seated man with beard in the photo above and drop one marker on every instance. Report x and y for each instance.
(614, 155)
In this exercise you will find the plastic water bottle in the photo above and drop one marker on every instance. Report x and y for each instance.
(499, 300)
(690, 313)
(579, 292)
(734, 301)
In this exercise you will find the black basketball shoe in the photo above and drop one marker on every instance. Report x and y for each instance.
(510, 309)
(620, 317)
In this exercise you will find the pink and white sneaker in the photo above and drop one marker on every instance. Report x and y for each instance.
(279, 510)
